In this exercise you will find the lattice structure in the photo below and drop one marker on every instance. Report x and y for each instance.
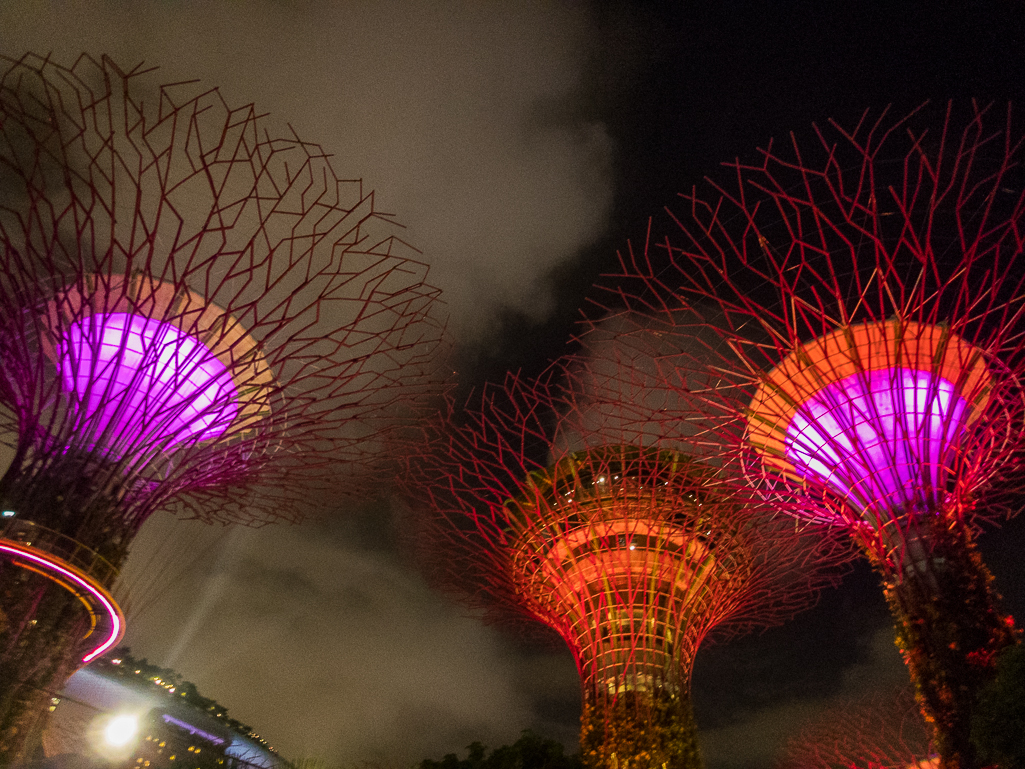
(195, 315)
(547, 503)
(878, 732)
(856, 309)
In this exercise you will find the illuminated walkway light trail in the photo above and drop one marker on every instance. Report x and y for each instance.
(96, 600)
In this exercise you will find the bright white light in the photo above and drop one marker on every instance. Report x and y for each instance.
(121, 730)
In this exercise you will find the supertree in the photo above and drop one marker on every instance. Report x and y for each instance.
(857, 306)
(566, 500)
(882, 731)
(196, 315)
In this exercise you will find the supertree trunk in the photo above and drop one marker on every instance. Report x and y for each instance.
(638, 730)
(949, 628)
(37, 655)
(66, 516)
(69, 515)
(637, 709)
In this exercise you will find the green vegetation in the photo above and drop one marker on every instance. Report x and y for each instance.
(950, 631)
(638, 731)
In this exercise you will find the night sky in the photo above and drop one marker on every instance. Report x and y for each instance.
(522, 143)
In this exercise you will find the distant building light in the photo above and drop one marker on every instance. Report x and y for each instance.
(8, 513)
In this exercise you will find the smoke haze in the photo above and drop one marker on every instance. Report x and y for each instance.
(324, 642)
(469, 120)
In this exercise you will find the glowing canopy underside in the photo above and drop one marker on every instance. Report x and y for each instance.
(879, 438)
(141, 380)
(876, 412)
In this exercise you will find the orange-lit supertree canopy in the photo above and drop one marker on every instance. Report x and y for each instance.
(552, 500)
(883, 731)
(857, 303)
(197, 315)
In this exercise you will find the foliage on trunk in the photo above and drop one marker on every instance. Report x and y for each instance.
(639, 730)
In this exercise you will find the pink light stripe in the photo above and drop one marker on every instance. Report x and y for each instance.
(117, 620)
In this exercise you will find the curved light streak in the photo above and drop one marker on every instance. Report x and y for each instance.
(117, 620)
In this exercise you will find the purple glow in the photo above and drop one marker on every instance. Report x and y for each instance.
(881, 438)
(140, 379)
(195, 731)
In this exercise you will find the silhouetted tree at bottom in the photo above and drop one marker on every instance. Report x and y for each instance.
(530, 751)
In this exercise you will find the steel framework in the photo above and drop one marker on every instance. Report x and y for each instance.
(856, 307)
(878, 732)
(195, 314)
(547, 502)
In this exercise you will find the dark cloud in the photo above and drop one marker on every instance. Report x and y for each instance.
(755, 693)
(468, 120)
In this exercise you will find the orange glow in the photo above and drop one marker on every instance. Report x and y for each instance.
(612, 549)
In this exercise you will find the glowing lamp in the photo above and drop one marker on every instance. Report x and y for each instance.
(875, 412)
(138, 378)
(114, 737)
(120, 730)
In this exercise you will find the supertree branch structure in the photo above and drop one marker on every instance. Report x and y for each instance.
(884, 731)
(856, 309)
(195, 315)
(539, 505)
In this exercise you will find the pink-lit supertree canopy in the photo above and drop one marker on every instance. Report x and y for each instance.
(856, 305)
(196, 314)
(571, 503)
(884, 731)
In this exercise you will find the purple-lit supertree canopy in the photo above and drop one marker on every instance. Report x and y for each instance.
(573, 504)
(195, 314)
(856, 305)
